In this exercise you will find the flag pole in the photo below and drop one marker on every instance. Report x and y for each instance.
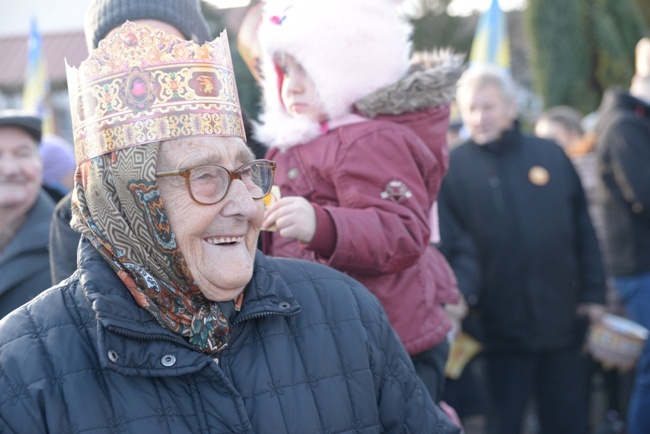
(491, 44)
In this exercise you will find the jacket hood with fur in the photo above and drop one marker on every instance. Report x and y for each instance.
(349, 48)
(430, 82)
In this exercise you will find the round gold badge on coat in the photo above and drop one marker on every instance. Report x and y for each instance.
(538, 175)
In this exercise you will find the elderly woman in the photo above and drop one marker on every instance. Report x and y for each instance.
(173, 321)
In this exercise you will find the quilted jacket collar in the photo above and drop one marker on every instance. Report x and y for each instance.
(510, 139)
(130, 341)
(30, 235)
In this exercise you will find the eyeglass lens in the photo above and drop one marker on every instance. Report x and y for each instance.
(209, 184)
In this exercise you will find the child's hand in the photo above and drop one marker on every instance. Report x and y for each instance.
(294, 218)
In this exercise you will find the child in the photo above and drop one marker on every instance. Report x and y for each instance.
(359, 142)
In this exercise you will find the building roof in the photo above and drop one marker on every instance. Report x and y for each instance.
(58, 47)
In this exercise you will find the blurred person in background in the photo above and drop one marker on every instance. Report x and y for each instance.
(574, 133)
(514, 214)
(623, 152)
(25, 211)
(455, 133)
(58, 166)
(563, 125)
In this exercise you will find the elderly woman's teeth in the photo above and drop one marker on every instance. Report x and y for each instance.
(224, 240)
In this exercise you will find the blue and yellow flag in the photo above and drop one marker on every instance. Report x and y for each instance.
(491, 45)
(36, 92)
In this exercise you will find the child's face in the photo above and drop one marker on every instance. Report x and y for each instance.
(299, 94)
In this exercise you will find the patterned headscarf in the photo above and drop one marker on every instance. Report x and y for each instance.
(117, 206)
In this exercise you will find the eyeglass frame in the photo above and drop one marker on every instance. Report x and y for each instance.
(232, 175)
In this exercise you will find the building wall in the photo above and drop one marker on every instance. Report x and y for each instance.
(53, 17)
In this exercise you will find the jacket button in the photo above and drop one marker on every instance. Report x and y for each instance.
(168, 360)
(292, 173)
(637, 207)
(284, 305)
(112, 356)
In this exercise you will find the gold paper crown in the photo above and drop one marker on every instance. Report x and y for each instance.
(142, 85)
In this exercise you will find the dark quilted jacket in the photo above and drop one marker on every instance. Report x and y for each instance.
(24, 263)
(311, 352)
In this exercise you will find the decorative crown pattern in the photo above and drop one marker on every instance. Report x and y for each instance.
(142, 85)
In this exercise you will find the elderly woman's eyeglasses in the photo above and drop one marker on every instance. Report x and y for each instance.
(209, 183)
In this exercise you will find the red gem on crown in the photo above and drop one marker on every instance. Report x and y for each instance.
(277, 20)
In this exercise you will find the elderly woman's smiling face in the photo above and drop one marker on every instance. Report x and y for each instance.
(218, 241)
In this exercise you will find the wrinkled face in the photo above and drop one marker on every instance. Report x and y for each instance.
(486, 113)
(21, 169)
(298, 92)
(218, 241)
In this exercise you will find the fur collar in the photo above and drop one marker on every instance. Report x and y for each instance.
(431, 82)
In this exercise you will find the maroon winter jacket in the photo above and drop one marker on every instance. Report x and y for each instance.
(373, 184)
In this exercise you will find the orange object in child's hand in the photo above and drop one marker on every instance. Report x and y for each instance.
(268, 200)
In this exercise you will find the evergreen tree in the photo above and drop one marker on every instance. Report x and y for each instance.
(581, 47)
(644, 9)
(434, 28)
(560, 53)
(617, 25)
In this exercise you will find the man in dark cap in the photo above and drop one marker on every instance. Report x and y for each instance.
(182, 18)
(25, 212)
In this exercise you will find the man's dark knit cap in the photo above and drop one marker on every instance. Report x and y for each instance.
(29, 122)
